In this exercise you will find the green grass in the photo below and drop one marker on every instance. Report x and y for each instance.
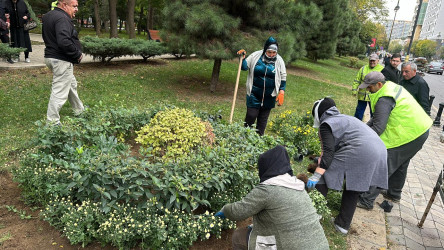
(4, 237)
(24, 95)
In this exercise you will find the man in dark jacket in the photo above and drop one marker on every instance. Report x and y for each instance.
(391, 71)
(62, 50)
(416, 85)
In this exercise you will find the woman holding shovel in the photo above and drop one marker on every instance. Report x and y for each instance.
(266, 83)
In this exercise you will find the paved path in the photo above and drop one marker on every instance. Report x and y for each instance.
(368, 229)
(38, 61)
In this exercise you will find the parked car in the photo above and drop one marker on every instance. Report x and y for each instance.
(434, 67)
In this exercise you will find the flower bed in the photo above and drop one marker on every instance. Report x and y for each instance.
(94, 186)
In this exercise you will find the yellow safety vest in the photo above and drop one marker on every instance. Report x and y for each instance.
(363, 93)
(407, 121)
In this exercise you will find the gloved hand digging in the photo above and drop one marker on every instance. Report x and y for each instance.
(220, 214)
(313, 180)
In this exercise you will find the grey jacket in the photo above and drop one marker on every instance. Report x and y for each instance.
(360, 155)
(283, 217)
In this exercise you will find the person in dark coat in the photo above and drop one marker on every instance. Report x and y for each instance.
(351, 151)
(387, 59)
(415, 85)
(282, 211)
(18, 14)
(266, 82)
(4, 26)
(391, 71)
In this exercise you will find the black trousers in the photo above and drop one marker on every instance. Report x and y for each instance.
(261, 115)
(348, 205)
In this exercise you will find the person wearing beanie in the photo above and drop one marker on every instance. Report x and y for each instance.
(283, 214)
(403, 126)
(266, 82)
(352, 153)
(362, 94)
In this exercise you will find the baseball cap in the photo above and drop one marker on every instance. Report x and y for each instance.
(372, 78)
(373, 57)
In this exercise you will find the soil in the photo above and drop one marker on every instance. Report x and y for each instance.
(35, 233)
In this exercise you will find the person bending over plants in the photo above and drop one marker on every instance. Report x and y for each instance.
(283, 214)
(351, 151)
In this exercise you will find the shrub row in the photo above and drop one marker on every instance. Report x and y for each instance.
(105, 49)
(7, 52)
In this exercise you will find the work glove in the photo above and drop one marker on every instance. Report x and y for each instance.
(280, 99)
(313, 180)
(242, 52)
(220, 214)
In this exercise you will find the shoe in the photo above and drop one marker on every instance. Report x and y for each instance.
(16, 60)
(10, 61)
(27, 60)
(360, 205)
(339, 228)
(389, 197)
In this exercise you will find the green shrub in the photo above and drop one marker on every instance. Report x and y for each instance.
(7, 52)
(320, 203)
(362, 57)
(172, 133)
(297, 130)
(353, 63)
(147, 48)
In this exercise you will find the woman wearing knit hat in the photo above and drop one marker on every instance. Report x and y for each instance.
(266, 83)
(351, 151)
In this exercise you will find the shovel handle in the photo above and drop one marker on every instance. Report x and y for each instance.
(235, 88)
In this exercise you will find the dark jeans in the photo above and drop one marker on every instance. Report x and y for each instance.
(261, 114)
(398, 160)
(348, 205)
(360, 109)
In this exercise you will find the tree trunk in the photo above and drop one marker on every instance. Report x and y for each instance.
(130, 19)
(215, 74)
(148, 22)
(139, 23)
(150, 17)
(113, 18)
(97, 17)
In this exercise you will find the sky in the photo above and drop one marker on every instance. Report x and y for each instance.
(406, 9)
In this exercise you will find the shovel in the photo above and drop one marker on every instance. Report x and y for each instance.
(235, 88)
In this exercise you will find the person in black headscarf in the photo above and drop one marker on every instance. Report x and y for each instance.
(351, 151)
(283, 214)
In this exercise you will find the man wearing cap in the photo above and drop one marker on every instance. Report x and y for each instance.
(362, 94)
(391, 71)
(416, 85)
(402, 125)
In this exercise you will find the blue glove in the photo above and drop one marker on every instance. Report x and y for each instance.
(313, 180)
(220, 214)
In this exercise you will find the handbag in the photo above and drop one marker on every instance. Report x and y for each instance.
(30, 25)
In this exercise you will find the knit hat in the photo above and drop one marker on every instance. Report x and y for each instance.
(319, 109)
(273, 47)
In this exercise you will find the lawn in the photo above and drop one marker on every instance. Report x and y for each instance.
(184, 83)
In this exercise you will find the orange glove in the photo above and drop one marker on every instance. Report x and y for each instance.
(242, 52)
(280, 98)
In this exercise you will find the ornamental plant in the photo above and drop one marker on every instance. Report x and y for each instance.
(298, 130)
(173, 133)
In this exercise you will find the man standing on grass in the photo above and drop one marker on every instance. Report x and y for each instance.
(363, 99)
(402, 125)
(62, 50)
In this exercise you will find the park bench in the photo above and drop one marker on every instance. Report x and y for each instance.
(154, 35)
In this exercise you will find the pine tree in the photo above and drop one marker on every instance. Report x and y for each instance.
(323, 38)
(216, 29)
(349, 42)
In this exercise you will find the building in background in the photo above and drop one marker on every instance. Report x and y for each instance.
(421, 16)
(433, 22)
(401, 29)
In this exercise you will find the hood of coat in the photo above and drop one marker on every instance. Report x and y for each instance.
(274, 162)
(271, 40)
(320, 107)
(286, 180)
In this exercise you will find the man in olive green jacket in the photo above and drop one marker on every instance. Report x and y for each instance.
(283, 214)
(363, 98)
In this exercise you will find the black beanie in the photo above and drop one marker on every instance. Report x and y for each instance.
(326, 104)
(274, 162)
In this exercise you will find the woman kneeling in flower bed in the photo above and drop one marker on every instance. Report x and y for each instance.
(283, 214)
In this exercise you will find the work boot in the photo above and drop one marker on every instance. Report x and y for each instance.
(389, 197)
